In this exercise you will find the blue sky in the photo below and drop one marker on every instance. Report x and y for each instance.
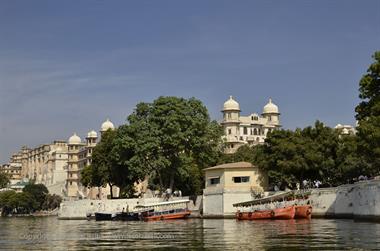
(65, 66)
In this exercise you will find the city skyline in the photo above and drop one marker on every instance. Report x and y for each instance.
(66, 67)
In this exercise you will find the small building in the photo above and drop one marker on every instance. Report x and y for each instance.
(228, 184)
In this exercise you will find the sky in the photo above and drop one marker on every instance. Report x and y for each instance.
(66, 66)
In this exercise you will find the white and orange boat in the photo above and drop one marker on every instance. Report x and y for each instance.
(168, 210)
(290, 211)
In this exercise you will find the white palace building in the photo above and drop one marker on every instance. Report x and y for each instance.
(251, 129)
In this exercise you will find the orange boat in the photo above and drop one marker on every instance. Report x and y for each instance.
(278, 213)
(303, 211)
(166, 215)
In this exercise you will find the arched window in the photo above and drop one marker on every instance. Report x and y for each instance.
(255, 131)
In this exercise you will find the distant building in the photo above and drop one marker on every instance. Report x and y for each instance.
(346, 129)
(231, 183)
(251, 129)
(13, 170)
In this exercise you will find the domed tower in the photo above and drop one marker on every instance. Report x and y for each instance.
(106, 125)
(271, 113)
(74, 145)
(90, 144)
(231, 124)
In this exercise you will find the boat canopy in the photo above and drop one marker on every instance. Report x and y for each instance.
(166, 203)
(273, 198)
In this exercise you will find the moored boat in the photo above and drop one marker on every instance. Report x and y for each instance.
(166, 215)
(284, 207)
(303, 211)
(104, 216)
(284, 213)
(278, 213)
(165, 210)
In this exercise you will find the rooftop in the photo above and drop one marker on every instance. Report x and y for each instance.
(231, 166)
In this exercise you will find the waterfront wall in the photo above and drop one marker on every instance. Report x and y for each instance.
(359, 201)
(78, 209)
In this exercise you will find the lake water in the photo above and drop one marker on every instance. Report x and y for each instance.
(47, 233)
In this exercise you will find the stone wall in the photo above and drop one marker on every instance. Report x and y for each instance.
(360, 201)
(78, 209)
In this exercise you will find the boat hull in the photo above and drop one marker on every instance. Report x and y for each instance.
(172, 216)
(303, 212)
(104, 217)
(278, 213)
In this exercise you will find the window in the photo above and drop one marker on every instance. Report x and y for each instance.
(229, 115)
(242, 179)
(255, 131)
(229, 131)
(214, 181)
(245, 130)
(270, 118)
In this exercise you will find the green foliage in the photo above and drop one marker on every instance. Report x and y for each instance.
(368, 116)
(172, 139)
(4, 180)
(110, 163)
(51, 202)
(38, 192)
(34, 197)
(243, 153)
(312, 153)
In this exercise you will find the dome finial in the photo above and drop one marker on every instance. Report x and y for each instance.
(270, 100)
(231, 105)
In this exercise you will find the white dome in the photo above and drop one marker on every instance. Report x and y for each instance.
(231, 104)
(73, 140)
(270, 107)
(107, 125)
(92, 134)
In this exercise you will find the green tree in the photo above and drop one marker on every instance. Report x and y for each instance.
(368, 116)
(38, 192)
(5, 202)
(173, 140)
(313, 153)
(4, 180)
(52, 201)
(111, 163)
(100, 172)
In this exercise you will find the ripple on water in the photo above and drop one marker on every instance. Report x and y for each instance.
(318, 234)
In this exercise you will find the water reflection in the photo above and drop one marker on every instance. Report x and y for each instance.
(50, 233)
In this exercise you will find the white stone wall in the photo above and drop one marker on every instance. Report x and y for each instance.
(78, 209)
(366, 198)
(213, 205)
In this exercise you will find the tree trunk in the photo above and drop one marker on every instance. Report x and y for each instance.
(171, 182)
(111, 192)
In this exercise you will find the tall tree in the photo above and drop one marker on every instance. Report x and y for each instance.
(100, 172)
(368, 116)
(174, 140)
(4, 179)
(111, 163)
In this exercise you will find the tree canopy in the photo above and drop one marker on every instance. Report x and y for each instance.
(313, 153)
(368, 116)
(4, 180)
(172, 139)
